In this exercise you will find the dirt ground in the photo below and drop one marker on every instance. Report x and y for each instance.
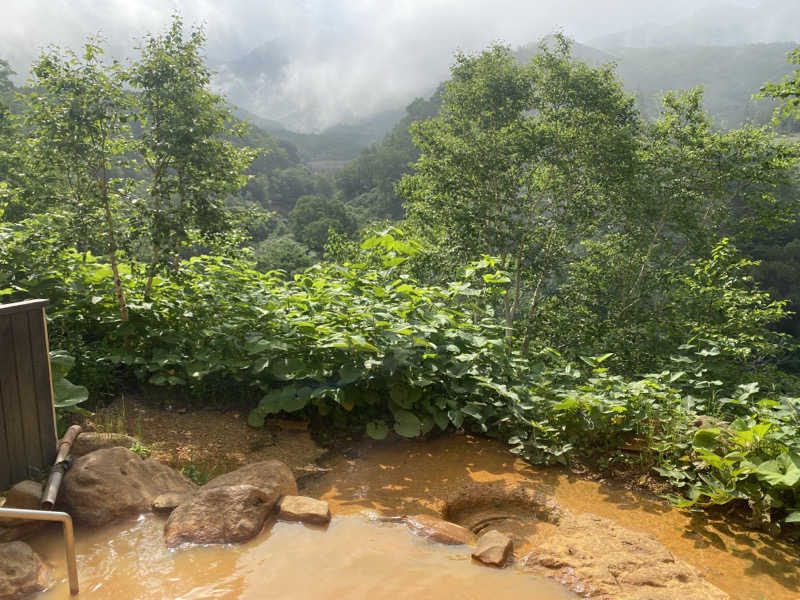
(210, 442)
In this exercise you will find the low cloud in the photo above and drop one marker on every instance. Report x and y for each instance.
(331, 61)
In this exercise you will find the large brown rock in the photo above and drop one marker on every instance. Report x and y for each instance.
(22, 572)
(111, 483)
(219, 515)
(89, 441)
(493, 548)
(302, 508)
(439, 530)
(270, 476)
(597, 558)
(25, 494)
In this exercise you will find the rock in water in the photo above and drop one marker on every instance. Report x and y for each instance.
(219, 515)
(22, 572)
(270, 476)
(302, 508)
(493, 548)
(439, 530)
(596, 557)
(114, 482)
(25, 494)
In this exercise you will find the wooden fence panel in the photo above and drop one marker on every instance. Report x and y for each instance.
(27, 419)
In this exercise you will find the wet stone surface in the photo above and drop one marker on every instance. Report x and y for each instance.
(22, 572)
(219, 515)
(493, 549)
(302, 508)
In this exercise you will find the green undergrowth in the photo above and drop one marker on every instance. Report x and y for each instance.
(364, 344)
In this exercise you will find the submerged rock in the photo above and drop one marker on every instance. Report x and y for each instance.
(22, 572)
(599, 559)
(90, 441)
(270, 476)
(439, 530)
(219, 515)
(493, 548)
(302, 508)
(111, 483)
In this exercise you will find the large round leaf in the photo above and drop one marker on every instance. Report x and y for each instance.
(407, 424)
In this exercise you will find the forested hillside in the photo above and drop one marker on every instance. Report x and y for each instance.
(526, 255)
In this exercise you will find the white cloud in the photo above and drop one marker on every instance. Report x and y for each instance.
(345, 57)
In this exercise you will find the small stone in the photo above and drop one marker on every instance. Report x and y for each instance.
(493, 548)
(302, 508)
(439, 530)
(22, 572)
(169, 501)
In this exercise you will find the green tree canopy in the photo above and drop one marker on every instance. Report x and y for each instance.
(314, 215)
(787, 90)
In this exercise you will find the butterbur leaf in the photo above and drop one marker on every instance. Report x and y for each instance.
(407, 424)
(404, 395)
(793, 516)
(783, 471)
(377, 430)
(256, 418)
(440, 417)
(706, 439)
(456, 417)
(294, 398)
(349, 374)
(427, 424)
(270, 404)
(60, 363)
(474, 411)
(67, 394)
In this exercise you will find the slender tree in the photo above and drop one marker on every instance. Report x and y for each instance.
(182, 142)
(76, 115)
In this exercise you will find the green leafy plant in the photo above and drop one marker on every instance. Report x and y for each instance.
(66, 395)
(746, 461)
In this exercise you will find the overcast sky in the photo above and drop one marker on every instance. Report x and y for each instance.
(347, 56)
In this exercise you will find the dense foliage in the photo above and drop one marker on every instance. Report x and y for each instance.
(567, 281)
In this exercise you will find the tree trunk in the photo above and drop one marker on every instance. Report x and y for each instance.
(151, 270)
(112, 244)
(112, 256)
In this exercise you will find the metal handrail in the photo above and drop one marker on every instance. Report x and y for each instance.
(69, 535)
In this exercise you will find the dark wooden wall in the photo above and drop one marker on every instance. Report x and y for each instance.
(27, 418)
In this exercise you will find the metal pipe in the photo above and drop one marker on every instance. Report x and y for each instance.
(60, 466)
(69, 535)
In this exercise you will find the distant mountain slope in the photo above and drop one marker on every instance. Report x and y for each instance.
(722, 24)
(337, 143)
(729, 74)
